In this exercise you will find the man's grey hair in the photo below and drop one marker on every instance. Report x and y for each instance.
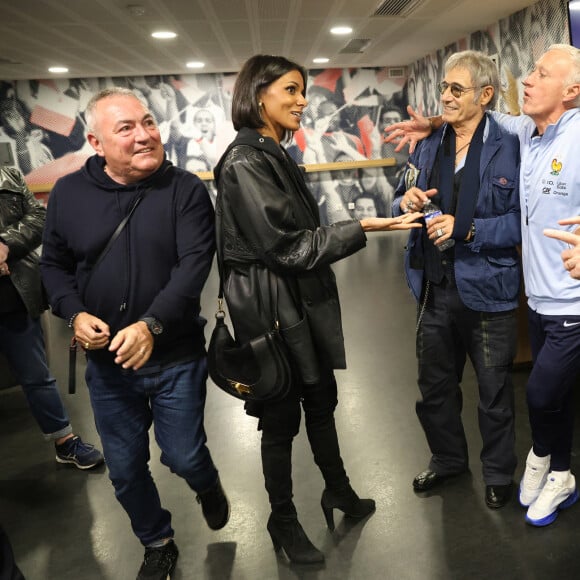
(482, 69)
(103, 94)
(574, 54)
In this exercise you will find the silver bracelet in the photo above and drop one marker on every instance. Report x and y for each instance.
(72, 319)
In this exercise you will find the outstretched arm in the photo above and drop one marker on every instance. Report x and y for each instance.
(413, 130)
(405, 222)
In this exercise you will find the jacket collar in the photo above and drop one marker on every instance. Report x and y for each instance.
(252, 138)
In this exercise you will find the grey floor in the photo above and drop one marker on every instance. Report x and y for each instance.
(66, 525)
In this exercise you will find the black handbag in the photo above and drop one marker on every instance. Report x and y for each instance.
(258, 370)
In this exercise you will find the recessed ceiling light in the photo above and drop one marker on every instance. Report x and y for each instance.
(163, 34)
(58, 69)
(341, 30)
(195, 64)
(320, 60)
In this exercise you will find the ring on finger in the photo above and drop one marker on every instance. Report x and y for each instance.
(87, 345)
(410, 204)
(439, 232)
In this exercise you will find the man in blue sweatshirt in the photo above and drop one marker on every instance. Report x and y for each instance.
(134, 307)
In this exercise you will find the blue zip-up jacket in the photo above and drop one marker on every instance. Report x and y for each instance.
(487, 270)
(550, 191)
(156, 267)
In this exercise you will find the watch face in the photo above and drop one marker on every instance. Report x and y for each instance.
(154, 326)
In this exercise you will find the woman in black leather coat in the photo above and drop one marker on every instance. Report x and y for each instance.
(267, 220)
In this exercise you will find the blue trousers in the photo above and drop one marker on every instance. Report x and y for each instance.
(125, 406)
(555, 344)
(449, 331)
(22, 342)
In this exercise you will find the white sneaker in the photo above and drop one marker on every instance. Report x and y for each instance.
(534, 478)
(558, 493)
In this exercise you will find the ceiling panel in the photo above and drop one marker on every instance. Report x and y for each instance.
(92, 36)
(273, 30)
(228, 10)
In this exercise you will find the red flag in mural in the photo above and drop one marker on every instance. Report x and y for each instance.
(54, 111)
(366, 127)
(328, 78)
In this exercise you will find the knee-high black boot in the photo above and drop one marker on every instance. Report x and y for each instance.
(338, 494)
(283, 525)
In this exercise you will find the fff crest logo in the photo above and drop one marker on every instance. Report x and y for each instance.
(556, 167)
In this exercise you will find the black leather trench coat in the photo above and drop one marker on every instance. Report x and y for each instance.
(21, 222)
(269, 232)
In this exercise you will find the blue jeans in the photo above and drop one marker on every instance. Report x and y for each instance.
(22, 342)
(449, 331)
(125, 406)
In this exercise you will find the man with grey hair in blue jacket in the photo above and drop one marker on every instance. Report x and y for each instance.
(463, 269)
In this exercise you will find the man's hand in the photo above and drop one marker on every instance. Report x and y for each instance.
(571, 256)
(132, 345)
(440, 228)
(91, 332)
(411, 131)
(4, 251)
(414, 199)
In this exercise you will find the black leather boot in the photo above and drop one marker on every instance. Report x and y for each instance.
(287, 534)
(323, 439)
(347, 501)
(283, 525)
(321, 430)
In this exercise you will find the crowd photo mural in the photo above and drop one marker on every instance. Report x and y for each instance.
(43, 120)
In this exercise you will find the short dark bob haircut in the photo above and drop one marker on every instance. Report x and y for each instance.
(258, 72)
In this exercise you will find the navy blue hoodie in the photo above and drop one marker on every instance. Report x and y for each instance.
(157, 267)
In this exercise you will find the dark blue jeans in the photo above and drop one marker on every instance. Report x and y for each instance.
(448, 332)
(125, 406)
(555, 343)
(22, 342)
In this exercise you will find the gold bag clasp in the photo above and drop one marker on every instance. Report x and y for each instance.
(241, 388)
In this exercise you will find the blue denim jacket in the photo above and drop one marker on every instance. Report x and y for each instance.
(487, 269)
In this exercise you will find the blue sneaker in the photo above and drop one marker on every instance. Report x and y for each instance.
(83, 455)
(558, 493)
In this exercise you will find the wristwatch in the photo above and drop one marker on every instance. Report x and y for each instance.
(155, 327)
(471, 233)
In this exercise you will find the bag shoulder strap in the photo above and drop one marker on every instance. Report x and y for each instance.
(272, 283)
(117, 232)
(124, 222)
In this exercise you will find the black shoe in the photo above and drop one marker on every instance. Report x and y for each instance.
(215, 506)
(347, 501)
(429, 479)
(287, 533)
(497, 496)
(159, 563)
